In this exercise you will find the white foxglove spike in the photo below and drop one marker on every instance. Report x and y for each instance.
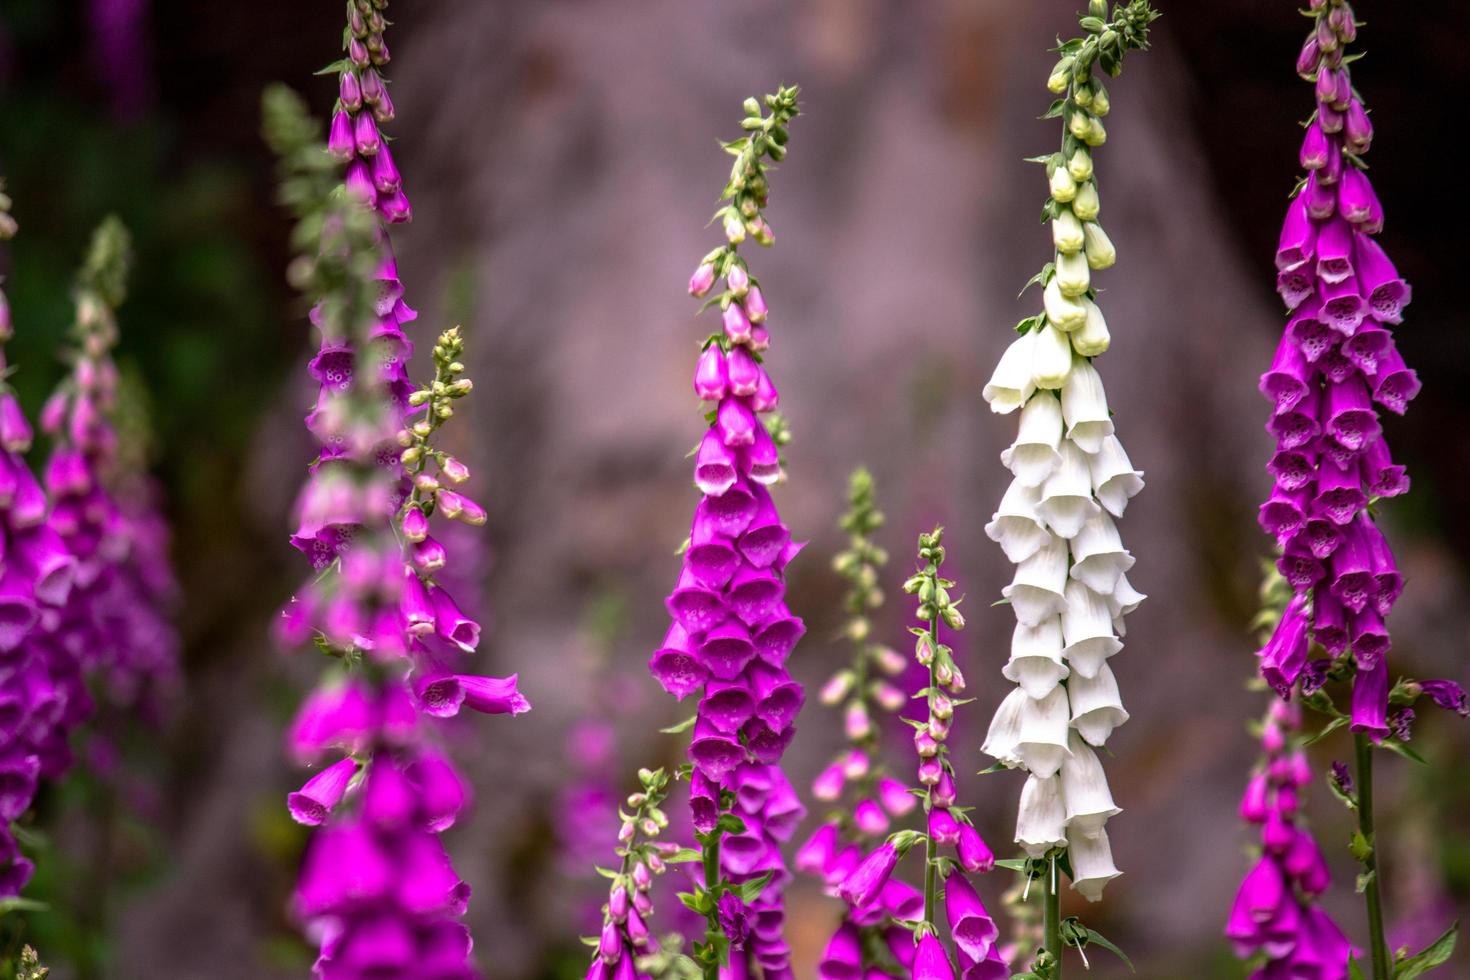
(1051, 358)
(1033, 456)
(1092, 338)
(1038, 589)
(1043, 743)
(1097, 707)
(1010, 385)
(1114, 479)
(1036, 658)
(1085, 789)
(1087, 630)
(1092, 863)
(1098, 556)
(1085, 407)
(1016, 526)
(1041, 823)
(1005, 730)
(1066, 496)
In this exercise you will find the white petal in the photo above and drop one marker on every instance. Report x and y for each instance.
(1092, 863)
(1051, 359)
(1011, 385)
(1097, 707)
(1093, 338)
(1085, 407)
(1036, 658)
(1016, 526)
(1098, 556)
(1005, 730)
(1124, 598)
(1043, 744)
(1033, 456)
(1085, 788)
(1063, 313)
(1066, 496)
(1087, 629)
(1041, 820)
(1039, 588)
(1114, 479)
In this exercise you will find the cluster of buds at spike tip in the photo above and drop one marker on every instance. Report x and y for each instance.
(1335, 367)
(864, 798)
(363, 105)
(732, 632)
(911, 936)
(1071, 478)
(625, 936)
(377, 887)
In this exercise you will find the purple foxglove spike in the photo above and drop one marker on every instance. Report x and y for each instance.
(843, 957)
(696, 607)
(1355, 198)
(1339, 493)
(1319, 198)
(440, 790)
(1310, 330)
(1350, 417)
(344, 867)
(384, 171)
(1352, 575)
(365, 137)
(816, 855)
(866, 882)
(737, 324)
(1395, 385)
(766, 397)
(1298, 237)
(778, 636)
(970, 925)
(1342, 308)
(726, 650)
(1286, 383)
(1335, 250)
(1284, 513)
(1293, 469)
(727, 705)
(1299, 567)
(1447, 695)
(451, 624)
(711, 373)
(931, 962)
(744, 372)
(359, 182)
(763, 459)
(736, 423)
(1313, 154)
(1366, 346)
(1387, 293)
(753, 593)
(1329, 621)
(311, 804)
(1369, 637)
(1370, 701)
(1357, 129)
(339, 137)
(704, 801)
(714, 754)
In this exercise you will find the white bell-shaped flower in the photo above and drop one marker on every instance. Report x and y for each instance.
(1097, 707)
(1016, 526)
(1005, 730)
(1051, 358)
(1010, 385)
(1039, 587)
(1073, 276)
(1092, 863)
(1098, 556)
(1062, 312)
(1087, 630)
(1033, 456)
(1036, 657)
(1114, 479)
(1066, 496)
(1092, 338)
(1085, 407)
(1124, 598)
(1041, 822)
(1043, 743)
(1085, 789)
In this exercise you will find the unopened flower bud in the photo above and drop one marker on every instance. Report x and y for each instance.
(702, 280)
(454, 470)
(1063, 187)
(1098, 246)
(1066, 232)
(1080, 166)
(1086, 204)
(738, 280)
(626, 831)
(734, 227)
(643, 873)
(1061, 76)
(836, 690)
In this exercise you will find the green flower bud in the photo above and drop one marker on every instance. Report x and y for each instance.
(1086, 204)
(1063, 187)
(1079, 124)
(1061, 75)
(1096, 135)
(1100, 251)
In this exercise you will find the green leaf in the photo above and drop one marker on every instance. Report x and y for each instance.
(683, 855)
(1355, 972)
(1095, 938)
(18, 903)
(1327, 729)
(1433, 955)
(751, 890)
(1399, 748)
(1360, 846)
(680, 728)
(1055, 109)
(1012, 864)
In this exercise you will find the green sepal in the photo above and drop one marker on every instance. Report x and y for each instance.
(681, 727)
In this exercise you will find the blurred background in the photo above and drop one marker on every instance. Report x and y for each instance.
(561, 157)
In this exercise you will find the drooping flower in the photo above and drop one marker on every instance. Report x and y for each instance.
(732, 631)
(1071, 480)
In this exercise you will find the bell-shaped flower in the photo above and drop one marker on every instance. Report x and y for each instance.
(1051, 358)
(843, 958)
(1066, 496)
(1036, 657)
(1041, 822)
(1037, 590)
(1092, 863)
(1042, 745)
(973, 853)
(1387, 293)
(1114, 480)
(1016, 526)
(675, 665)
(1085, 789)
(931, 962)
(715, 465)
(1335, 250)
(1004, 735)
(311, 804)
(1098, 556)
(1063, 313)
(1085, 407)
(970, 925)
(1073, 276)
(1033, 456)
(1396, 384)
(1099, 247)
(866, 883)
(1092, 338)
(1087, 630)
(1097, 708)
(1010, 385)
(1066, 232)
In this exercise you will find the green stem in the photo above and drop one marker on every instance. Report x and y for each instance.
(931, 849)
(1373, 893)
(711, 882)
(1052, 903)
